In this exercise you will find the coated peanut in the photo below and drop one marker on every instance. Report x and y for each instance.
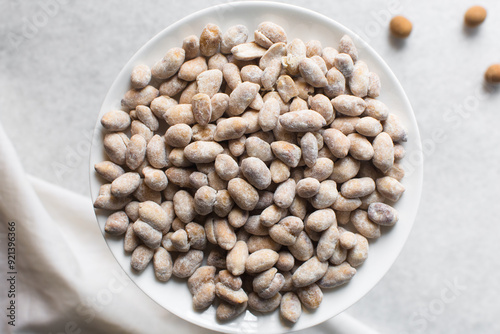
(285, 193)
(141, 257)
(256, 172)
(296, 51)
(125, 184)
(170, 64)
(326, 196)
(321, 170)
(191, 46)
(235, 35)
(184, 206)
(162, 263)
(268, 33)
(248, 51)
(309, 272)
(359, 253)
(364, 225)
(116, 120)
(202, 287)
(395, 129)
(187, 263)
(231, 128)
(321, 220)
(148, 235)
(141, 76)
(210, 40)
(237, 257)
(390, 188)
(383, 152)
(261, 260)
(310, 296)
(258, 148)
(308, 187)
(117, 223)
(382, 214)
(244, 195)
(312, 73)
(327, 243)
(226, 167)
(286, 231)
(258, 242)
(288, 153)
(203, 151)
(226, 311)
(337, 275)
(290, 307)
(360, 148)
(303, 248)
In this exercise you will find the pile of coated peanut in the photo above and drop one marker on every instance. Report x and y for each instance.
(256, 170)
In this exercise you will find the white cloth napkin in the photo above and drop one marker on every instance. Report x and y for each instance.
(67, 279)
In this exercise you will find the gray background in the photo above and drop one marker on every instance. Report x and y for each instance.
(54, 78)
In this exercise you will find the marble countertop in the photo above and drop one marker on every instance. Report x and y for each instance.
(59, 58)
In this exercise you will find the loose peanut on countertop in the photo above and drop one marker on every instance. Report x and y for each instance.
(474, 16)
(492, 74)
(400, 26)
(256, 155)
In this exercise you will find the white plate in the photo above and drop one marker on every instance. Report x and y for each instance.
(298, 23)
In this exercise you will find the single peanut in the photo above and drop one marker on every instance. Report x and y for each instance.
(141, 257)
(336, 276)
